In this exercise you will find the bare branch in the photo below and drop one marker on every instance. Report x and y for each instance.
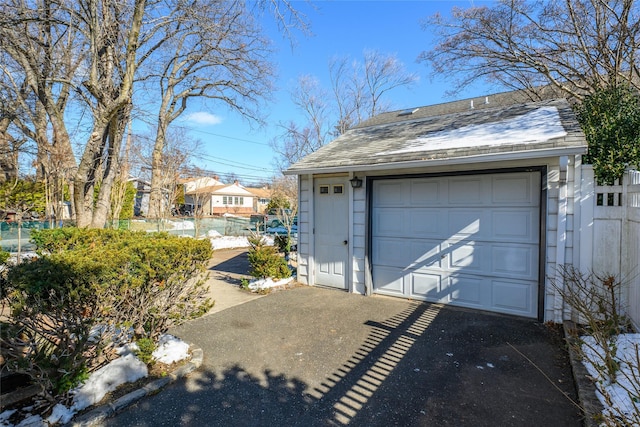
(574, 46)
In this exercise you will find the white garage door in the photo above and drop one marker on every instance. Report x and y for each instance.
(469, 241)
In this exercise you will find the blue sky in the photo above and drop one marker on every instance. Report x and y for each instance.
(340, 28)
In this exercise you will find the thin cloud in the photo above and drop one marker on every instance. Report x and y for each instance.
(203, 118)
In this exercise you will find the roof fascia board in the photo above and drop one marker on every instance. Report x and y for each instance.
(481, 158)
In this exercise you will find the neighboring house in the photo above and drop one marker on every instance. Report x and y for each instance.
(465, 203)
(262, 198)
(191, 184)
(143, 192)
(220, 199)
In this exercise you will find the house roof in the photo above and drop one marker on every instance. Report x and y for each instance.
(222, 190)
(263, 192)
(451, 134)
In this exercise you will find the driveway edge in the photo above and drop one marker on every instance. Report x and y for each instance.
(585, 387)
(96, 416)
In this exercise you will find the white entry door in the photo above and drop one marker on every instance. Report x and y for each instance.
(331, 232)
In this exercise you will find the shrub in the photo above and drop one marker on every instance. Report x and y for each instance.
(146, 347)
(596, 299)
(50, 241)
(283, 242)
(4, 257)
(265, 261)
(95, 289)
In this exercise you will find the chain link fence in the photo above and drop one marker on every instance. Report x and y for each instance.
(12, 236)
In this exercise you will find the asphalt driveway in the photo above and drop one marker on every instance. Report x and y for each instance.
(317, 357)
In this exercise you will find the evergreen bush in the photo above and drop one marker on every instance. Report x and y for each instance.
(610, 119)
(91, 290)
(265, 261)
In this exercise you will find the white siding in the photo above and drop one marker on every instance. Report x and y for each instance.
(304, 229)
(359, 233)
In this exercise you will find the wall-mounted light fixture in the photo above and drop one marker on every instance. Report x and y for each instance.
(355, 182)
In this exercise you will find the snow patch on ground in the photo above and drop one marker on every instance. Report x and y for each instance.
(127, 368)
(256, 285)
(626, 378)
(231, 242)
(170, 349)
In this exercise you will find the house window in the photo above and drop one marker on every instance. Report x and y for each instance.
(338, 189)
(225, 201)
(238, 201)
(324, 189)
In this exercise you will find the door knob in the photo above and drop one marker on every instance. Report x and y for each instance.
(345, 242)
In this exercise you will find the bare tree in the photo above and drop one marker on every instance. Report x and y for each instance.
(112, 30)
(575, 46)
(357, 93)
(216, 52)
(199, 200)
(297, 141)
(40, 57)
(177, 152)
(89, 52)
(9, 146)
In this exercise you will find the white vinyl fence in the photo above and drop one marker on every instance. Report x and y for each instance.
(610, 233)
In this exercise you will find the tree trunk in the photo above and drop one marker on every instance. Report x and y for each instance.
(156, 205)
(85, 177)
(111, 167)
(120, 187)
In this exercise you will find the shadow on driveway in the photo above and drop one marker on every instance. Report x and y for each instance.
(229, 265)
(318, 357)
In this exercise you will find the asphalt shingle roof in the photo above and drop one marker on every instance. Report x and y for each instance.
(397, 139)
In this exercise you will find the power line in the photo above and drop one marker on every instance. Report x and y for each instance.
(233, 163)
(223, 136)
(149, 122)
(221, 160)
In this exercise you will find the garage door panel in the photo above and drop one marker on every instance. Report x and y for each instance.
(514, 225)
(390, 193)
(466, 191)
(389, 281)
(389, 251)
(514, 261)
(512, 189)
(425, 254)
(467, 256)
(425, 223)
(389, 222)
(407, 253)
(465, 290)
(426, 192)
(464, 222)
(513, 296)
(426, 286)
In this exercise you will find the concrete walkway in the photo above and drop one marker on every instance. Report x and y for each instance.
(227, 268)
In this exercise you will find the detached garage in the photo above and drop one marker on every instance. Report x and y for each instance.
(471, 207)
